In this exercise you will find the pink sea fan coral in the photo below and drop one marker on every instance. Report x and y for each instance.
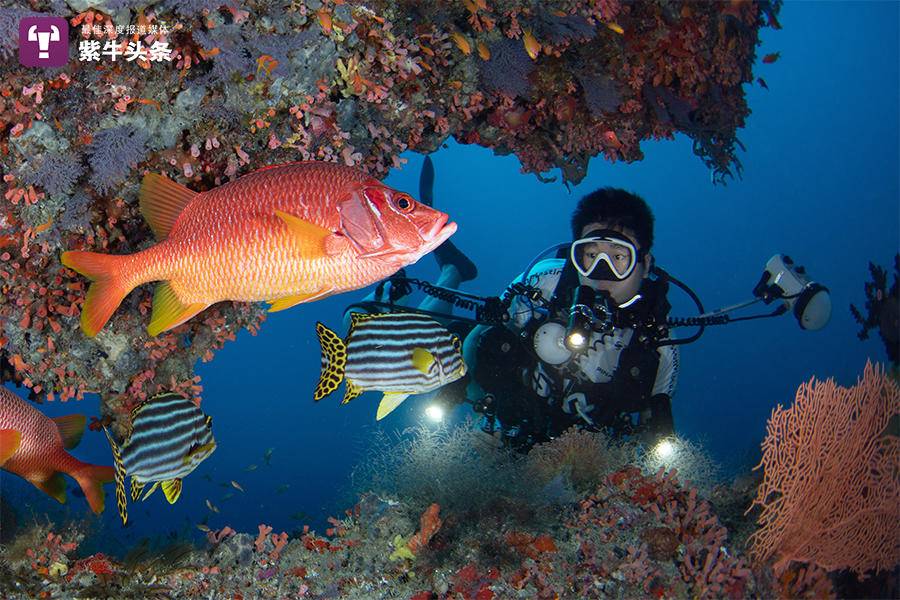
(832, 488)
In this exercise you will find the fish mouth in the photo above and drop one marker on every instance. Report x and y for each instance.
(440, 231)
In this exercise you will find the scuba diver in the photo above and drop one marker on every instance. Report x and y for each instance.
(583, 336)
(597, 373)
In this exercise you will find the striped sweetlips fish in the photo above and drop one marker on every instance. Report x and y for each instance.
(284, 234)
(400, 354)
(169, 437)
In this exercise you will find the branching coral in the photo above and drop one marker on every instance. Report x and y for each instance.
(882, 309)
(358, 83)
(832, 487)
(113, 152)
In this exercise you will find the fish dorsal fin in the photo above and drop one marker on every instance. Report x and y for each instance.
(422, 360)
(310, 236)
(121, 498)
(172, 490)
(151, 490)
(162, 201)
(287, 164)
(334, 361)
(351, 392)
(136, 488)
(357, 317)
(10, 440)
(137, 410)
(71, 428)
(389, 402)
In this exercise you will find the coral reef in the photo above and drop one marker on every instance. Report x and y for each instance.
(633, 534)
(882, 309)
(204, 91)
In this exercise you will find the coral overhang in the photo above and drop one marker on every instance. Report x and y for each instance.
(358, 83)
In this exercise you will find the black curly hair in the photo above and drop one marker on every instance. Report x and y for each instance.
(616, 208)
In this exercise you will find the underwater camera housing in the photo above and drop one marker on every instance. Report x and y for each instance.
(784, 280)
(555, 343)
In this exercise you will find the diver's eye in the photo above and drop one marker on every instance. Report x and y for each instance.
(404, 203)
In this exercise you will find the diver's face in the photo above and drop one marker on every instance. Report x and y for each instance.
(621, 291)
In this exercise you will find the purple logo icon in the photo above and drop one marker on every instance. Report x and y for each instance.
(43, 42)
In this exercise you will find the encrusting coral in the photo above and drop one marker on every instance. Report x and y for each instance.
(207, 91)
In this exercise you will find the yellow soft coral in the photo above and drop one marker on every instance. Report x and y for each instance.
(401, 550)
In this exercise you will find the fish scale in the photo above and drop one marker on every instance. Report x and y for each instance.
(285, 234)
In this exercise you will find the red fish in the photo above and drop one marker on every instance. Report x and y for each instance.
(770, 58)
(285, 234)
(34, 446)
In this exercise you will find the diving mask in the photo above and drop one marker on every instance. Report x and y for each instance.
(604, 255)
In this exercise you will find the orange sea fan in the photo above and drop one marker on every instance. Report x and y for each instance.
(831, 489)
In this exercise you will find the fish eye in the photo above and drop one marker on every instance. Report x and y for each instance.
(404, 203)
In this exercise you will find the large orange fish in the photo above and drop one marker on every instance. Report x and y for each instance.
(34, 446)
(284, 234)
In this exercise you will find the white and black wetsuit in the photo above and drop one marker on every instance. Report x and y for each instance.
(591, 390)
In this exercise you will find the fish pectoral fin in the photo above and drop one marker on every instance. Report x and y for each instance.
(54, 486)
(389, 402)
(334, 361)
(172, 490)
(205, 449)
(352, 391)
(136, 488)
(121, 498)
(422, 360)
(10, 440)
(151, 490)
(310, 236)
(289, 301)
(71, 428)
(161, 201)
(169, 311)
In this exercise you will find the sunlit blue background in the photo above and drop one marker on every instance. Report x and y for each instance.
(820, 184)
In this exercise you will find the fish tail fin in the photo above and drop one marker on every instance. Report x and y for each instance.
(334, 361)
(109, 286)
(121, 497)
(91, 479)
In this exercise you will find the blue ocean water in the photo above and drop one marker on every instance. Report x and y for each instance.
(820, 184)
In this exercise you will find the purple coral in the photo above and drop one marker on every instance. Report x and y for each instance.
(557, 30)
(9, 29)
(233, 55)
(112, 153)
(508, 69)
(56, 173)
(601, 93)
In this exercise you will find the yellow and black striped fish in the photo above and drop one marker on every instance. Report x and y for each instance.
(400, 354)
(169, 437)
